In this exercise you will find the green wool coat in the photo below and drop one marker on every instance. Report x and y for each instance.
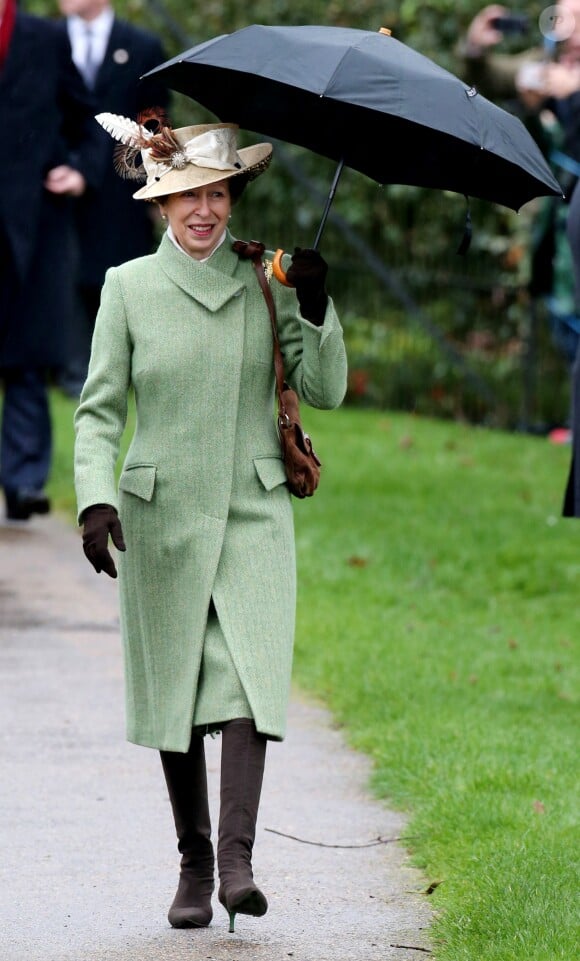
(202, 497)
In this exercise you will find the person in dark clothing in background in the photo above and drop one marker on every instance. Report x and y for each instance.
(571, 506)
(112, 55)
(52, 151)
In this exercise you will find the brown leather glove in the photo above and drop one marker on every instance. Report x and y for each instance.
(99, 521)
(307, 273)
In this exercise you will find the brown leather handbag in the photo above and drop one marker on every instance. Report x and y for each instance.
(300, 460)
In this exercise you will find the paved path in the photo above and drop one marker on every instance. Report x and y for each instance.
(88, 861)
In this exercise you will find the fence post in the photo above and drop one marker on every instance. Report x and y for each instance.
(530, 369)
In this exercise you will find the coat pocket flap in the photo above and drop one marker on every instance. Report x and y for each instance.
(139, 479)
(271, 471)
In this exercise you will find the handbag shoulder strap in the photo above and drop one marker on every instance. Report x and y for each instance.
(253, 250)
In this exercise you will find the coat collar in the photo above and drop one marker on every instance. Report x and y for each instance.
(212, 283)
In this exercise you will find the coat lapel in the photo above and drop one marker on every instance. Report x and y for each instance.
(117, 54)
(212, 283)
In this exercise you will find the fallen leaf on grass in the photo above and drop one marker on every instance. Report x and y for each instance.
(355, 561)
(432, 886)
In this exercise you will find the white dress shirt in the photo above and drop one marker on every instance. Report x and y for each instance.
(100, 31)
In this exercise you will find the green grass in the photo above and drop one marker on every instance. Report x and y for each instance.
(438, 621)
(61, 482)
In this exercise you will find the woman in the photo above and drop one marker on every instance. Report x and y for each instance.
(207, 580)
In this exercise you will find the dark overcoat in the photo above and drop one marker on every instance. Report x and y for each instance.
(46, 118)
(571, 507)
(112, 227)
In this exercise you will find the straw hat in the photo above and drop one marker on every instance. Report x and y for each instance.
(169, 161)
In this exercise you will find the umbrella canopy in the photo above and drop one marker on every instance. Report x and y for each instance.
(366, 100)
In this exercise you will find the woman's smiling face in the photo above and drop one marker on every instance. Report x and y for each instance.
(198, 217)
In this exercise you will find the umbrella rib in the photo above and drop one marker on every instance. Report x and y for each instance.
(337, 68)
(355, 46)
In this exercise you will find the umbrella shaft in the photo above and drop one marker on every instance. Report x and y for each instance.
(329, 200)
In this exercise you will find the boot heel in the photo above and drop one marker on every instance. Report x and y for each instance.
(247, 899)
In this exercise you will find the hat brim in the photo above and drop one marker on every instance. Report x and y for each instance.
(256, 160)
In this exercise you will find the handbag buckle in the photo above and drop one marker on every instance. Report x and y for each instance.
(284, 421)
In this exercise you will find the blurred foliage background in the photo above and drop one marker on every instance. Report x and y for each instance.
(427, 330)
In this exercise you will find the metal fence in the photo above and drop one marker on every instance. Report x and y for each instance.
(440, 334)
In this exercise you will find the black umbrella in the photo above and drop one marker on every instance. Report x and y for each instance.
(369, 102)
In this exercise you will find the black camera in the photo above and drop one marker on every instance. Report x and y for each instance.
(511, 23)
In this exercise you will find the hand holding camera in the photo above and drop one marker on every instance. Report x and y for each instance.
(511, 23)
(489, 27)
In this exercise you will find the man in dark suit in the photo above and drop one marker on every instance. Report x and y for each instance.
(571, 506)
(111, 227)
(51, 153)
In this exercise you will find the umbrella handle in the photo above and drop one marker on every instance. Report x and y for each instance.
(278, 270)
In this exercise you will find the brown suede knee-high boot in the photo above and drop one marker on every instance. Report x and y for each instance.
(242, 769)
(186, 779)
